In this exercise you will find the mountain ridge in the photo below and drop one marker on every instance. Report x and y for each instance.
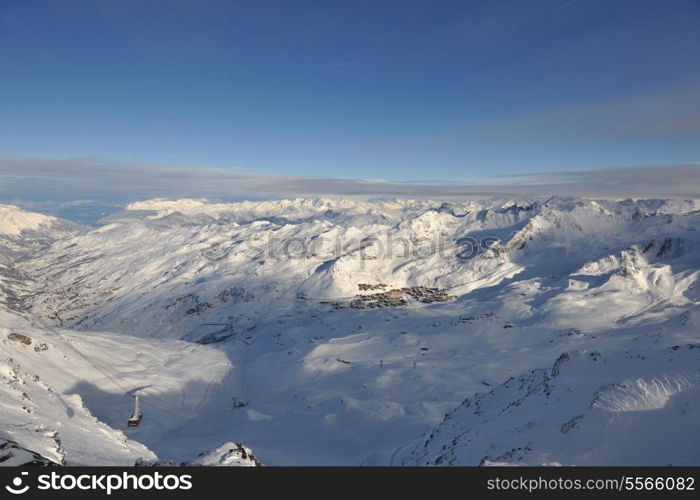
(261, 295)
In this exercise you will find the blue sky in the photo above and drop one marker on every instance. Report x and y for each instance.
(402, 90)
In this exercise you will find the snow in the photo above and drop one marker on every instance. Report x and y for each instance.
(582, 411)
(13, 455)
(228, 455)
(644, 395)
(14, 220)
(49, 384)
(241, 342)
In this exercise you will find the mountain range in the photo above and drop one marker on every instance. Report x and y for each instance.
(345, 332)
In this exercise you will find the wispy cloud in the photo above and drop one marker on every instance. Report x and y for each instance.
(41, 180)
(564, 5)
(635, 116)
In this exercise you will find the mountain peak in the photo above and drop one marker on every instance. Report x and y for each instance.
(14, 220)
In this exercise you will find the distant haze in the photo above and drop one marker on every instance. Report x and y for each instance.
(71, 180)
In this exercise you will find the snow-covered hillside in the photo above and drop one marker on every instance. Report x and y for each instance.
(184, 264)
(632, 407)
(24, 233)
(14, 221)
(66, 396)
(342, 332)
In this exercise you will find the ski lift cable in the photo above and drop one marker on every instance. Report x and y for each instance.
(244, 371)
(126, 390)
(148, 401)
(103, 370)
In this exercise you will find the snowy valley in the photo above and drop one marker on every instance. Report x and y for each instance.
(343, 332)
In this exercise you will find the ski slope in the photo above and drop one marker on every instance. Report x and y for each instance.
(233, 323)
(67, 396)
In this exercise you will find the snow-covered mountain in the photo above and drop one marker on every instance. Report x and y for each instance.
(66, 396)
(24, 233)
(343, 332)
(587, 409)
(16, 222)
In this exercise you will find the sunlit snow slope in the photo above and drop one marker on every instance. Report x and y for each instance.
(234, 323)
